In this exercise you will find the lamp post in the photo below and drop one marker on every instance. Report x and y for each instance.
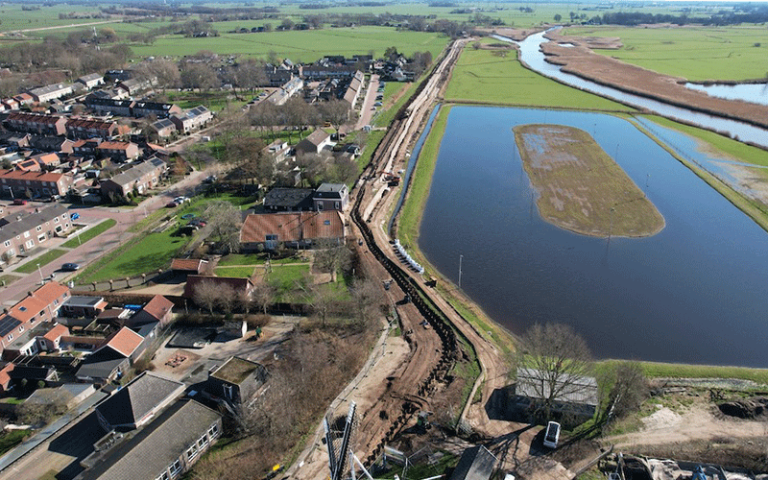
(42, 282)
(461, 258)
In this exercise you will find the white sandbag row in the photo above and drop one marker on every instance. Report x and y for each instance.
(407, 257)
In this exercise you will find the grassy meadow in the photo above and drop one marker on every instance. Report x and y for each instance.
(694, 53)
(482, 76)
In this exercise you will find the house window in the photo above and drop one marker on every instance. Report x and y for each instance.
(175, 468)
(39, 228)
(7, 243)
(56, 220)
(41, 238)
(213, 432)
(30, 243)
(192, 452)
(21, 328)
(228, 392)
(26, 234)
(10, 337)
(336, 205)
(203, 441)
(163, 476)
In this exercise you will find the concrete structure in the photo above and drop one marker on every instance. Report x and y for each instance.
(92, 80)
(236, 380)
(51, 92)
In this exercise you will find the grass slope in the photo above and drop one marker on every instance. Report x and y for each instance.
(695, 53)
(581, 188)
(480, 76)
(91, 233)
(43, 259)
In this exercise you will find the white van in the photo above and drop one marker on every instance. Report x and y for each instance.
(552, 435)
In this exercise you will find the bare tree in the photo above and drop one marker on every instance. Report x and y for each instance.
(332, 256)
(244, 301)
(336, 112)
(206, 294)
(556, 363)
(630, 388)
(227, 296)
(264, 296)
(368, 298)
(224, 221)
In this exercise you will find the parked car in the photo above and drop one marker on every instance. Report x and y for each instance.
(377, 104)
(196, 222)
(19, 201)
(70, 267)
(180, 199)
(552, 435)
(171, 205)
(74, 216)
(210, 179)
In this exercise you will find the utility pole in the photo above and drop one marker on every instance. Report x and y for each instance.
(461, 257)
(42, 282)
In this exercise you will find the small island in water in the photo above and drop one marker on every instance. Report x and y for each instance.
(580, 187)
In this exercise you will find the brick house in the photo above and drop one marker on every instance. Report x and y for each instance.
(119, 151)
(39, 306)
(159, 309)
(297, 230)
(91, 128)
(18, 237)
(191, 120)
(38, 183)
(164, 128)
(141, 178)
(331, 196)
(36, 123)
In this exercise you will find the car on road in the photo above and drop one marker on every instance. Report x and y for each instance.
(171, 205)
(377, 104)
(181, 199)
(74, 216)
(552, 435)
(70, 267)
(19, 201)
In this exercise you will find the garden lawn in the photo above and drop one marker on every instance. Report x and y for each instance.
(695, 53)
(239, 272)
(43, 259)
(482, 77)
(89, 234)
(237, 259)
(285, 277)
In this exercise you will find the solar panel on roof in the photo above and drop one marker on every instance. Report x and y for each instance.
(7, 325)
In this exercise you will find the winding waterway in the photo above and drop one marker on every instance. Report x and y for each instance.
(531, 55)
(693, 293)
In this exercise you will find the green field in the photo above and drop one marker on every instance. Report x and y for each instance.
(239, 272)
(481, 76)
(299, 46)
(695, 53)
(285, 277)
(89, 234)
(43, 259)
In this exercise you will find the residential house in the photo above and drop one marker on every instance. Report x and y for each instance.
(16, 139)
(297, 230)
(28, 165)
(575, 402)
(138, 402)
(102, 366)
(241, 286)
(134, 86)
(314, 143)
(140, 178)
(288, 199)
(236, 380)
(163, 450)
(11, 104)
(47, 161)
(277, 76)
(30, 342)
(38, 123)
(43, 184)
(193, 119)
(42, 305)
(126, 342)
(86, 148)
(321, 71)
(83, 306)
(159, 110)
(289, 89)
(119, 151)
(91, 81)
(159, 309)
(109, 106)
(5, 377)
(51, 144)
(18, 237)
(92, 128)
(164, 127)
(331, 196)
(51, 340)
(278, 148)
(24, 99)
(51, 92)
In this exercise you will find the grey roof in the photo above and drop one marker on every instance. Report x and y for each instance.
(317, 137)
(82, 301)
(147, 328)
(581, 390)
(138, 398)
(156, 447)
(192, 113)
(50, 89)
(330, 190)
(90, 77)
(10, 227)
(288, 197)
(134, 173)
(7, 324)
(476, 463)
(101, 364)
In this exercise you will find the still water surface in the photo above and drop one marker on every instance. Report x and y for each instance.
(695, 292)
(749, 92)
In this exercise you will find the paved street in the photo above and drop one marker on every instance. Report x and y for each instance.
(104, 243)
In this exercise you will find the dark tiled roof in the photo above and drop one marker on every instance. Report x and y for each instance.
(152, 450)
(330, 190)
(135, 173)
(295, 198)
(134, 401)
(101, 364)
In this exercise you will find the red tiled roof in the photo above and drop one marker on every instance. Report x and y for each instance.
(5, 376)
(292, 227)
(125, 341)
(28, 166)
(34, 117)
(187, 264)
(158, 306)
(114, 146)
(48, 159)
(38, 176)
(56, 332)
(33, 304)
